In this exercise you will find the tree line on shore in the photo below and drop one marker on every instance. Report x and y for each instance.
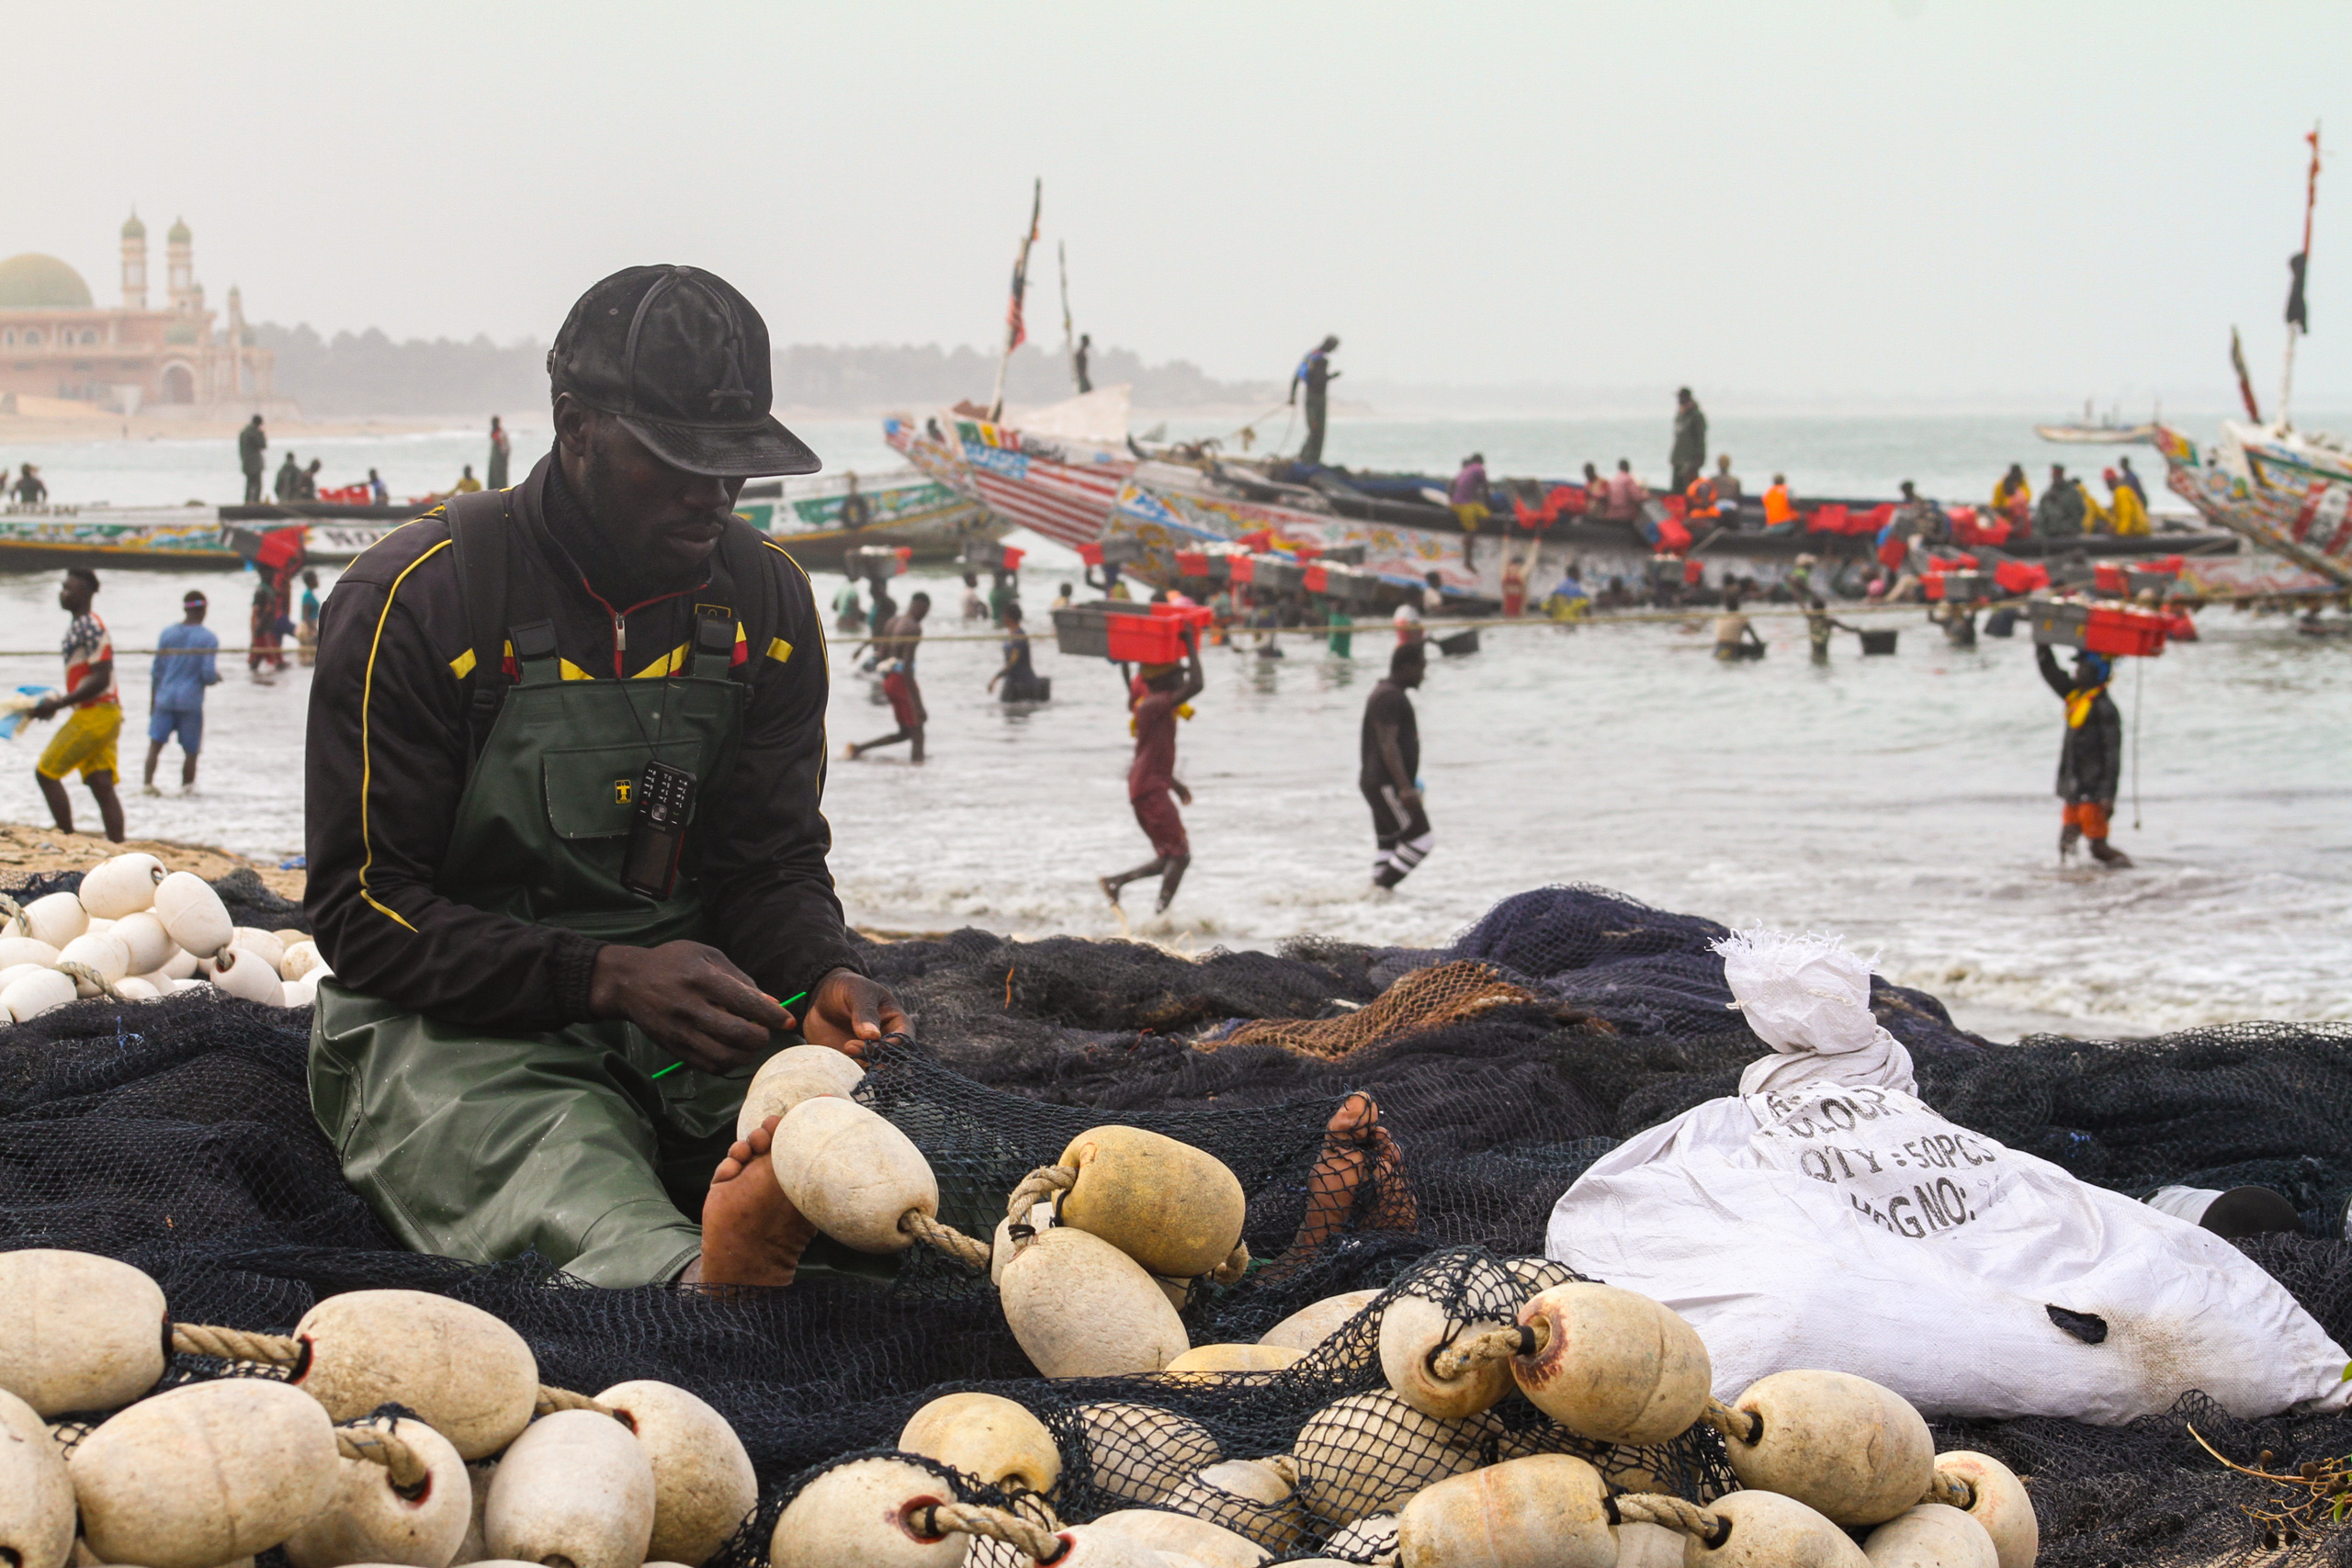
(368, 373)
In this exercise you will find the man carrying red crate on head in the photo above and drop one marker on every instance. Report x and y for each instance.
(1162, 693)
(2090, 759)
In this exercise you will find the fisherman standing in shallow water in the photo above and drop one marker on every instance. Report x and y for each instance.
(1163, 692)
(2090, 759)
(1388, 767)
(567, 862)
(895, 646)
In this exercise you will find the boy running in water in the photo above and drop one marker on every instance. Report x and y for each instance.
(1163, 690)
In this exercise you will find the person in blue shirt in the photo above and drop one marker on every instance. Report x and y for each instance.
(184, 667)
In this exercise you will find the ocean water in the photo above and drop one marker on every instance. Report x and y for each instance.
(1903, 802)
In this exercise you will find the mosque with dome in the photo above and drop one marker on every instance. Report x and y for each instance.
(55, 342)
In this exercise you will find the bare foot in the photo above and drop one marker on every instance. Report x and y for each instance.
(750, 1233)
(1110, 889)
(1356, 1147)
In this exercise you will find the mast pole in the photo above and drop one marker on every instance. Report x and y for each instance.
(1014, 331)
(2296, 325)
(1070, 344)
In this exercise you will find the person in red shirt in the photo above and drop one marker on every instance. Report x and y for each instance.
(84, 742)
(1162, 692)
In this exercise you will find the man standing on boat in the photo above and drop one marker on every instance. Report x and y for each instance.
(1315, 373)
(1690, 439)
(501, 448)
(290, 479)
(2090, 759)
(252, 442)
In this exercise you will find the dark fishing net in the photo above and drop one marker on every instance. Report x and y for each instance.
(176, 1136)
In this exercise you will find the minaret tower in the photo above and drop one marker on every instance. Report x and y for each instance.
(134, 264)
(178, 260)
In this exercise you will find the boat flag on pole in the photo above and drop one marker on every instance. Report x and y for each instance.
(2246, 382)
(1016, 331)
(2297, 316)
(2298, 313)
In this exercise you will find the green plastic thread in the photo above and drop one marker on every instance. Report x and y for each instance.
(676, 1066)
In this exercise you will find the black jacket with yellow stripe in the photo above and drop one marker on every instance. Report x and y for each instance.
(389, 749)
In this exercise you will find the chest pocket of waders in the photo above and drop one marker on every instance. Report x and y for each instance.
(543, 823)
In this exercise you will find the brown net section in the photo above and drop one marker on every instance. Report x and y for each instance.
(1425, 999)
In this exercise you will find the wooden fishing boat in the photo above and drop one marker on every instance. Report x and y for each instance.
(908, 508)
(180, 537)
(1055, 471)
(2288, 493)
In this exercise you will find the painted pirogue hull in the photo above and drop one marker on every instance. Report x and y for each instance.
(172, 538)
(1059, 488)
(1166, 508)
(919, 512)
(2287, 502)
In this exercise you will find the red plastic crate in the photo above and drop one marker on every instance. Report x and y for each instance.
(1191, 563)
(1158, 637)
(1245, 568)
(2110, 577)
(2118, 629)
(1319, 577)
(1091, 553)
(1012, 557)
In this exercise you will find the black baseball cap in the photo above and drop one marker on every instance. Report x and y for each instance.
(681, 359)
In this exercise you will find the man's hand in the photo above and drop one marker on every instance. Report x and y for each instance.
(847, 1010)
(45, 708)
(690, 999)
(1409, 798)
(1181, 793)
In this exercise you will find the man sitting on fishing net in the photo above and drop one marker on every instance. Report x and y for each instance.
(566, 860)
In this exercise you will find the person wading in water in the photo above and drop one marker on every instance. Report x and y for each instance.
(565, 758)
(1162, 693)
(1388, 767)
(2090, 759)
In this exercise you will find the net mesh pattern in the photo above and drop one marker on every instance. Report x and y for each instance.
(176, 1136)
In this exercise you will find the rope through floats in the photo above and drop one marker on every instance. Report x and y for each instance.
(1048, 1182)
(1736, 1426)
(928, 1230)
(1670, 1512)
(85, 974)
(1951, 1490)
(283, 1350)
(385, 1446)
(1491, 1345)
(994, 1523)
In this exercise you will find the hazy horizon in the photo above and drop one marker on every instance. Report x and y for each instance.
(1879, 203)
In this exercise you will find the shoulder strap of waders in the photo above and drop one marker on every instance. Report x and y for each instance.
(478, 542)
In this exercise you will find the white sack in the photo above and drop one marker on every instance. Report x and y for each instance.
(1836, 1222)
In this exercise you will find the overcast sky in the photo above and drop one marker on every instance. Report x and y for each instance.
(1852, 199)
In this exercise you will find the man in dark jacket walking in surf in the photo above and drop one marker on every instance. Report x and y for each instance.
(2090, 760)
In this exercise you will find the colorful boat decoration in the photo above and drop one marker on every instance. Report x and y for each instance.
(2287, 493)
(1167, 506)
(1056, 472)
(907, 507)
(172, 537)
